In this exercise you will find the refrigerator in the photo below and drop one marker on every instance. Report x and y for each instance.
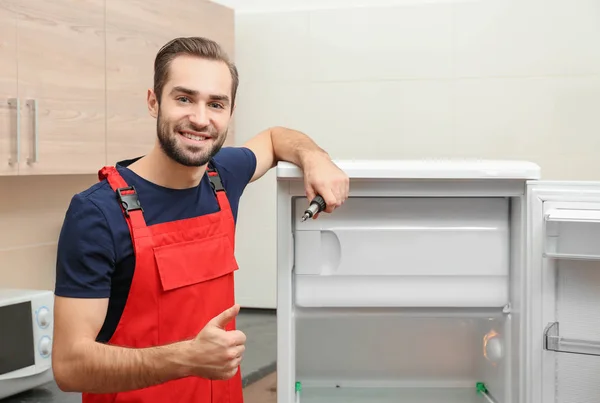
(439, 281)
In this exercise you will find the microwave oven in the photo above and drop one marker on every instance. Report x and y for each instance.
(26, 318)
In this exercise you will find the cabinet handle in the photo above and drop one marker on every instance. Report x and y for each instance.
(34, 106)
(17, 104)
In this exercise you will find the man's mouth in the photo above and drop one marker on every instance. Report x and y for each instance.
(195, 137)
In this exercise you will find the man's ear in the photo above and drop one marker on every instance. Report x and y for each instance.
(152, 104)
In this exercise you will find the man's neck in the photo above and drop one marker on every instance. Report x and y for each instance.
(161, 170)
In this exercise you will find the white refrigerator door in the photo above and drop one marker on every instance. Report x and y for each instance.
(563, 293)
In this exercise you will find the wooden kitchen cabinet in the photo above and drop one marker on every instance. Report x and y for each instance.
(9, 131)
(61, 86)
(74, 76)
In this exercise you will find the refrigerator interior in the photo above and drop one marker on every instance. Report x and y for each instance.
(397, 355)
(408, 299)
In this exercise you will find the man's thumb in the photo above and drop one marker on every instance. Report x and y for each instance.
(222, 319)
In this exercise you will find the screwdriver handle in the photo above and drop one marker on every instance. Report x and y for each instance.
(320, 202)
(316, 206)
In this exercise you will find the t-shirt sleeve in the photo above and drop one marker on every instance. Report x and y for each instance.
(85, 255)
(239, 164)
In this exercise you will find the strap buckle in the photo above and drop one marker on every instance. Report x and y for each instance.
(130, 202)
(215, 180)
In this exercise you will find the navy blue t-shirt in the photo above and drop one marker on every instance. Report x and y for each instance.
(95, 256)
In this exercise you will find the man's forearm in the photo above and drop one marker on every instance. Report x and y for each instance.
(99, 368)
(294, 146)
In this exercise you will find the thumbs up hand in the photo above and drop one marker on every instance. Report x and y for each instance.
(217, 353)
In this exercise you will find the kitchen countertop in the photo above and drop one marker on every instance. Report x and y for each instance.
(259, 359)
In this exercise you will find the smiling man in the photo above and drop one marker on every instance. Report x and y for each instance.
(144, 308)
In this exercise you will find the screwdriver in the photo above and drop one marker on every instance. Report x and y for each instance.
(316, 206)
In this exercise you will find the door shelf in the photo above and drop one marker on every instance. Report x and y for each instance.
(572, 234)
(554, 342)
(393, 395)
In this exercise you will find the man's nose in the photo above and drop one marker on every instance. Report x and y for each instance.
(199, 117)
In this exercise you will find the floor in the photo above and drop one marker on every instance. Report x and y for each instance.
(260, 327)
(258, 365)
(262, 391)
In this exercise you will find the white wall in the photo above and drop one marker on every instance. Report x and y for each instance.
(415, 79)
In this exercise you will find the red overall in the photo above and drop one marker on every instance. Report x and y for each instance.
(183, 278)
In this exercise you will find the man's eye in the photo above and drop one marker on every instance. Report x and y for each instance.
(183, 99)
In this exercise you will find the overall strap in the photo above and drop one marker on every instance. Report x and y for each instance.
(217, 186)
(128, 199)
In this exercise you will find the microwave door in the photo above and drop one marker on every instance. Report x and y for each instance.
(16, 337)
(563, 265)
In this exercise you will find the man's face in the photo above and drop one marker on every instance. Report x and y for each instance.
(195, 110)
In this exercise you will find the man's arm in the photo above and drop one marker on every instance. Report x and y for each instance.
(321, 175)
(81, 364)
(281, 144)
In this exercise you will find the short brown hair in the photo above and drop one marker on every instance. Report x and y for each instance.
(193, 46)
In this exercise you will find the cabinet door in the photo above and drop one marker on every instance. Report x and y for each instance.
(563, 293)
(135, 31)
(9, 105)
(61, 86)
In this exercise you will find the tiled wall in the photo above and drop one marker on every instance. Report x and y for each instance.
(31, 214)
(419, 79)
(489, 79)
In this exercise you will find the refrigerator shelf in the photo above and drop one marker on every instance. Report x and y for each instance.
(571, 233)
(392, 395)
(554, 342)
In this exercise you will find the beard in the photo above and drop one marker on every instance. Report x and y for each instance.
(187, 155)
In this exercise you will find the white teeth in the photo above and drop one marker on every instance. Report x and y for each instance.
(192, 137)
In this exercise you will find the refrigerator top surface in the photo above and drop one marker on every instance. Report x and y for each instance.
(426, 169)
